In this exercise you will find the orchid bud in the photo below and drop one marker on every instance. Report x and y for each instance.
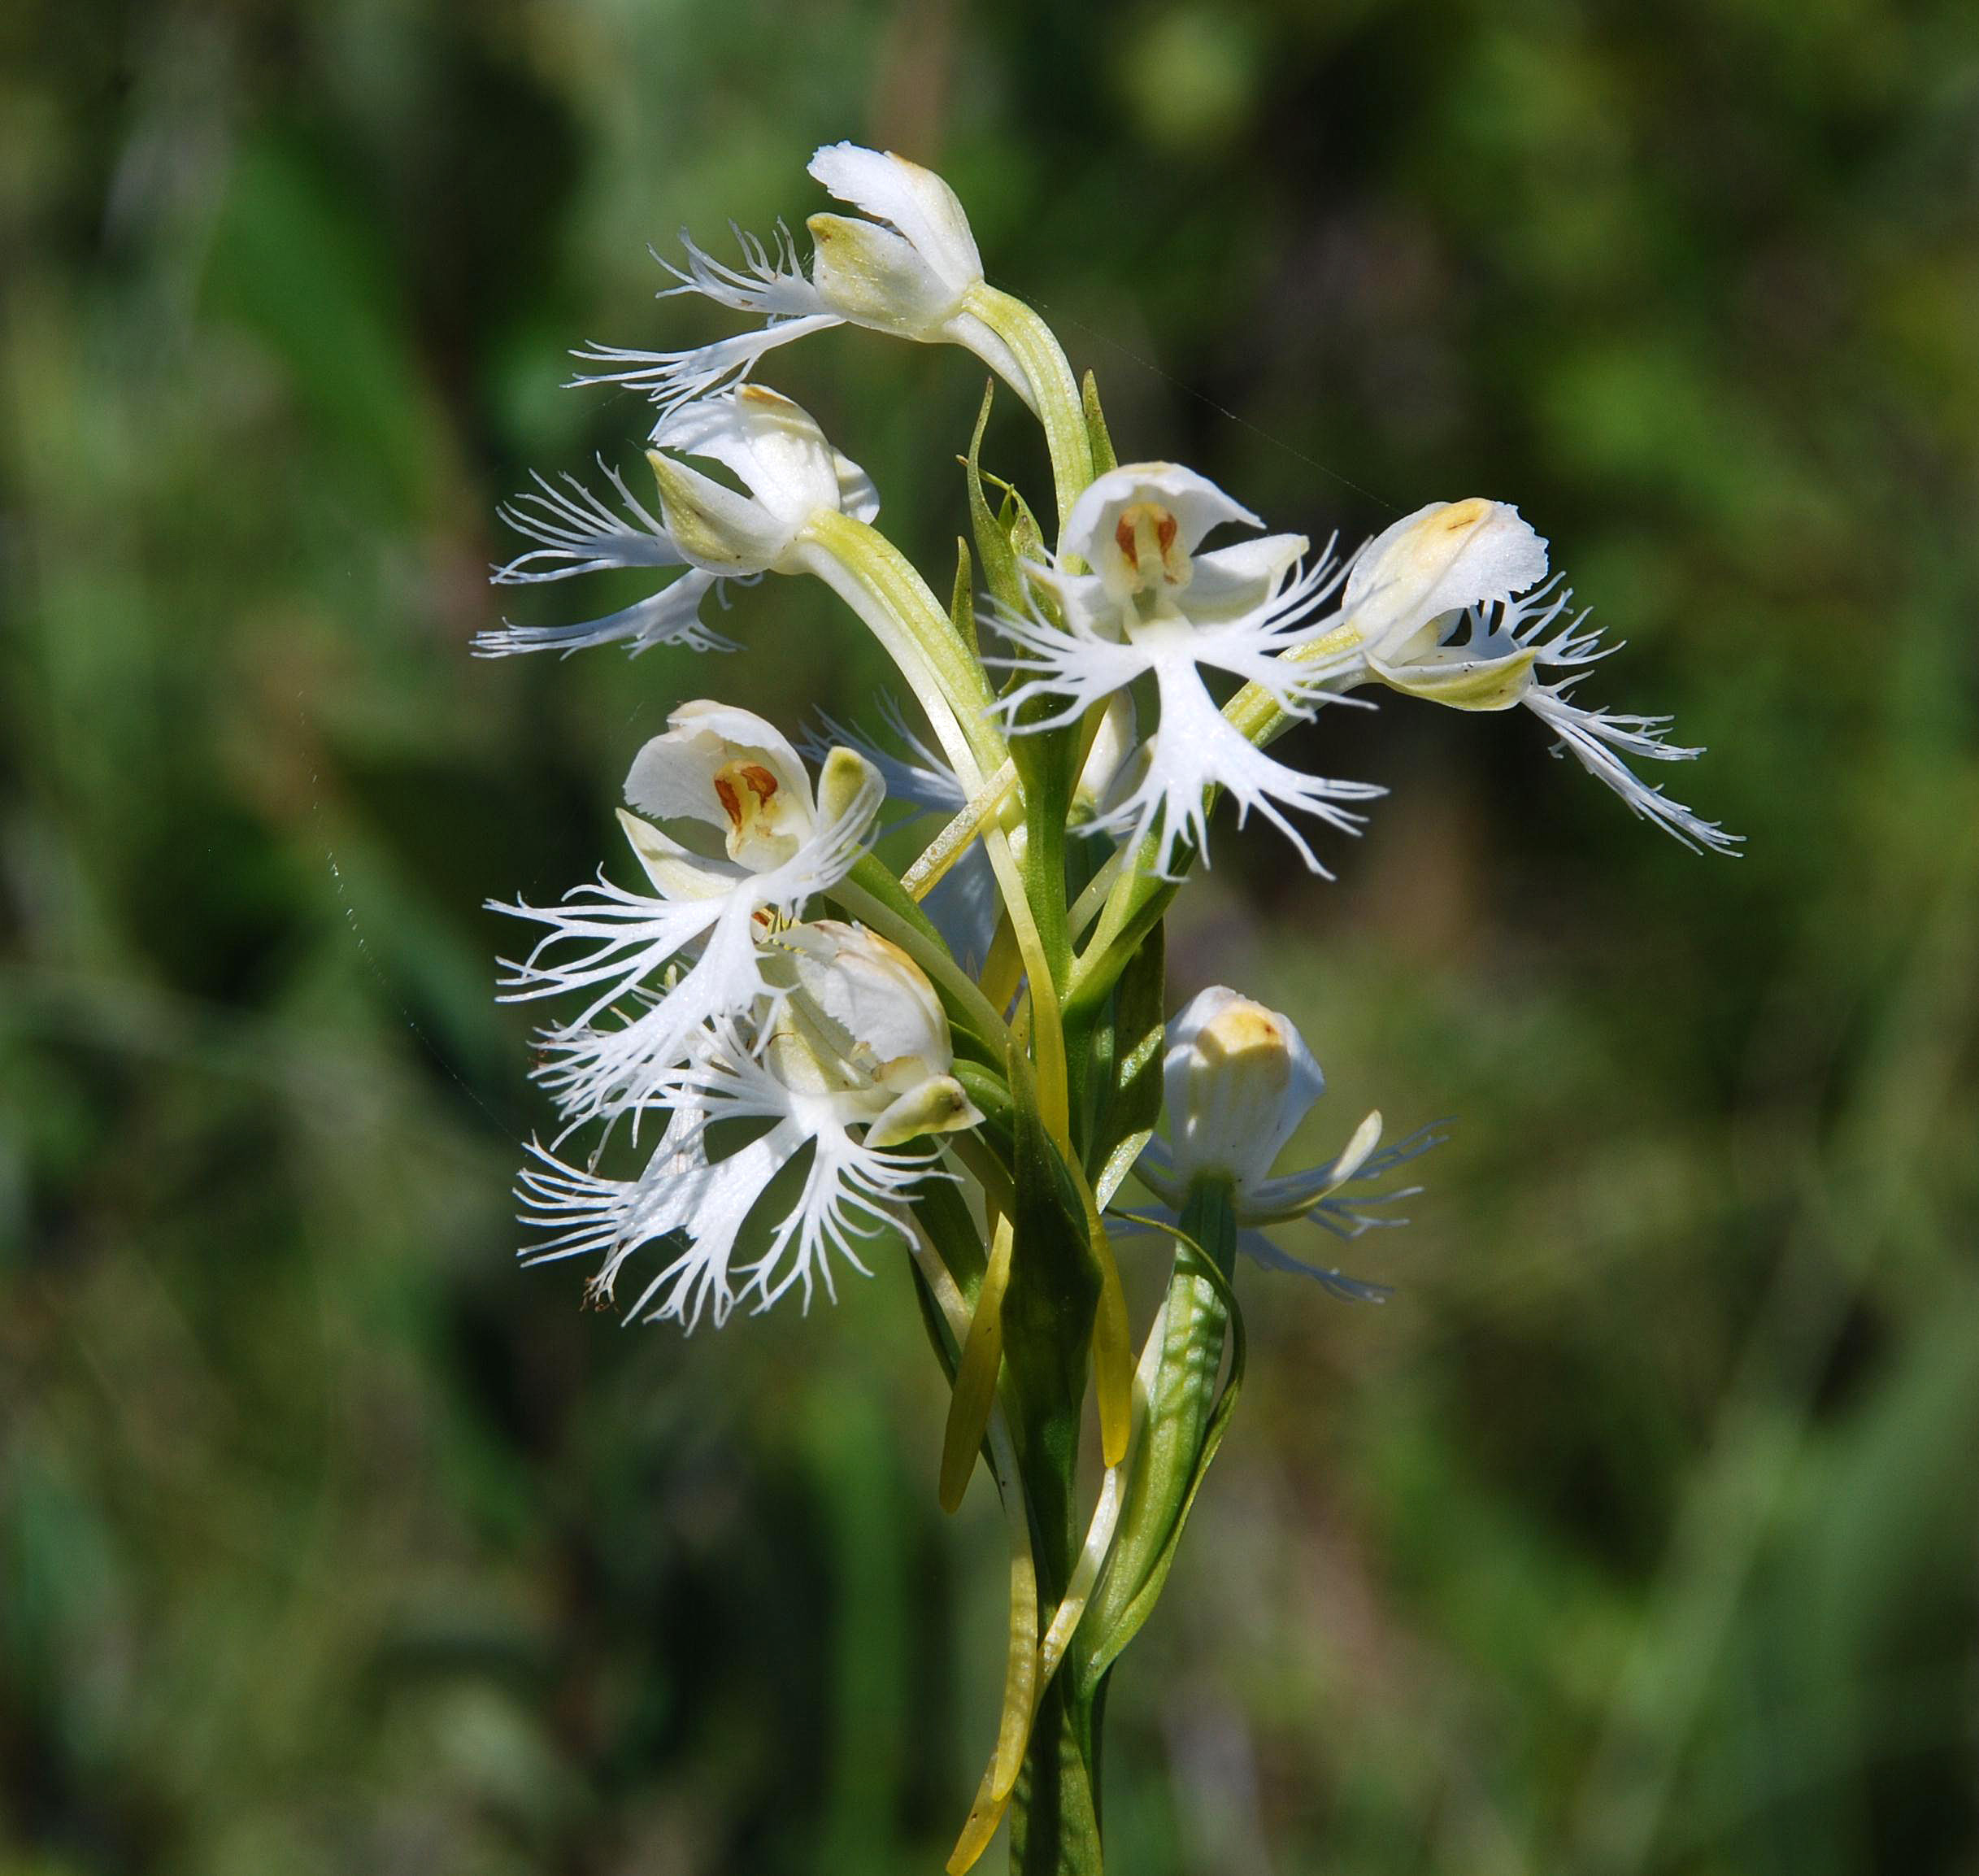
(1239, 1079)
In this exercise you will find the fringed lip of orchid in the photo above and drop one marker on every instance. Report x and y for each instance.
(852, 1037)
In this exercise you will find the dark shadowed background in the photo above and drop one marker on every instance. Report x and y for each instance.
(1635, 1536)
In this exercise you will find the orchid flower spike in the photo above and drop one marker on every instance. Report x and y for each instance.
(1238, 1079)
(909, 268)
(1452, 603)
(788, 471)
(1153, 601)
(850, 1060)
(731, 778)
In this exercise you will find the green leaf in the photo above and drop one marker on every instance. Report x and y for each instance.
(993, 545)
(1173, 1457)
(1027, 539)
(962, 601)
(1098, 436)
(976, 1374)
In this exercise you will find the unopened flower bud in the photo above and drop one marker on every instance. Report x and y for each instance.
(1239, 1079)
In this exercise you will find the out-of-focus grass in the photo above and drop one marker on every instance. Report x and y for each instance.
(1636, 1535)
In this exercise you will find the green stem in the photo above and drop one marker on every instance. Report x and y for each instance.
(1054, 1815)
(879, 584)
(1054, 1810)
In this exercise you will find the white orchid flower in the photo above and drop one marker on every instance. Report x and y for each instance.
(713, 533)
(734, 778)
(1152, 603)
(850, 1061)
(1452, 603)
(1238, 1079)
(911, 270)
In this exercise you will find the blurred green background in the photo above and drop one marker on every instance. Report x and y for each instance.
(1638, 1533)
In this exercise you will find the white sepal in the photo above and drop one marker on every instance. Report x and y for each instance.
(1445, 557)
(928, 219)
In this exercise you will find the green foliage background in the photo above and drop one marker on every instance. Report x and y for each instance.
(1636, 1535)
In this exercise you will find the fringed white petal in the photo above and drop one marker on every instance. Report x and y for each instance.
(1597, 740)
(922, 778)
(1197, 748)
(576, 532)
(599, 1071)
(847, 1197)
(1300, 1195)
(770, 284)
(1256, 1245)
(671, 378)
(671, 616)
(1600, 739)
